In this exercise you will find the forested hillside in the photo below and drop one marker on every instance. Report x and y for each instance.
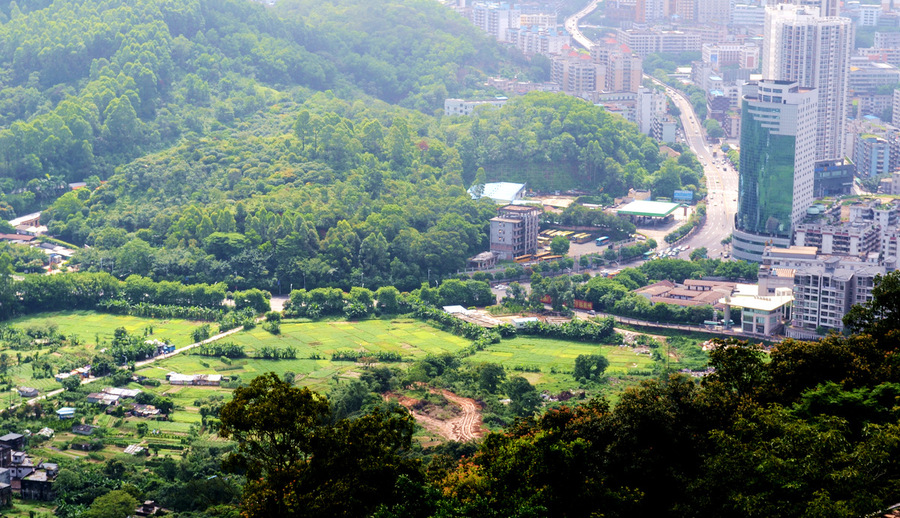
(297, 145)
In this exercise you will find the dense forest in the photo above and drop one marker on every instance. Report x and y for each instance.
(301, 145)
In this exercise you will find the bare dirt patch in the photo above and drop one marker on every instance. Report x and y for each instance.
(458, 421)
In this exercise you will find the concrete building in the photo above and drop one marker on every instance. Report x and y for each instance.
(825, 292)
(761, 314)
(623, 72)
(800, 45)
(664, 128)
(467, 107)
(886, 40)
(872, 155)
(651, 105)
(514, 231)
(744, 55)
(747, 15)
(495, 18)
(576, 74)
(856, 240)
(868, 15)
(715, 12)
(895, 108)
(869, 76)
(833, 177)
(776, 173)
(533, 39)
(647, 41)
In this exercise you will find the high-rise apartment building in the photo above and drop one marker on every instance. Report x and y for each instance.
(801, 45)
(776, 173)
(714, 11)
(825, 7)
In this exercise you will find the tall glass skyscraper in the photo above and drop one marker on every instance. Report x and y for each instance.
(778, 135)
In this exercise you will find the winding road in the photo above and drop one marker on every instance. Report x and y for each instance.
(721, 177)
(721, 181)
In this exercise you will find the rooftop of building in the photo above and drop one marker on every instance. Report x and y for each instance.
(653, 209)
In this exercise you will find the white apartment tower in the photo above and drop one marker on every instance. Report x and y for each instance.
(800, 45)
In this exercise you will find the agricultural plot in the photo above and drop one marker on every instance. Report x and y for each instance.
(89, 325)
(548, 363)
(314, 343)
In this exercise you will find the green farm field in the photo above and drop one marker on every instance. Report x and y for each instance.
(552, 361)
(409, 338)
(88, 325)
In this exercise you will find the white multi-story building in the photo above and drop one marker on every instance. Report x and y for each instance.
(651, 105)
(800, 45)
(868, 15)
(744, 55)
(648, 41)
(495, 18)
(467, 107)
(577, 75)
(825, 292)
(533, 39)
(622, 70)
(748, 15)
(869, 76)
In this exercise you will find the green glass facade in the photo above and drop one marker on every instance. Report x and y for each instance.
(766, 189)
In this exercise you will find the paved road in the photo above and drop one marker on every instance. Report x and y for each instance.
(571, 25)
(721, 181)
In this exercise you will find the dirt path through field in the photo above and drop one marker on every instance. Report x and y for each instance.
(465, 427)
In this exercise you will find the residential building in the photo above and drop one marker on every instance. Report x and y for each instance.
(744, 55)
(886, 40)
(541, 20)
(833, 177)
(895, 108)
(872, 155)
(623, 72)
(839, 239)
(868, 76)
(824, 293)
(533, 39)
(651, 105)
(776, 173)
(715, 12)
(800, 45)
(664, 128)
(14, 441)
(464, 107)
(868, 15)
(495, 18)
(576, 74)
(748, 15)
(514, 231)
(647, 41)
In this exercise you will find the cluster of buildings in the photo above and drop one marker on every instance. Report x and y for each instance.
(799, 141)
(608, 73)
(23, 475)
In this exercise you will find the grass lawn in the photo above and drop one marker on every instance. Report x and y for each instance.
(552, 361)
